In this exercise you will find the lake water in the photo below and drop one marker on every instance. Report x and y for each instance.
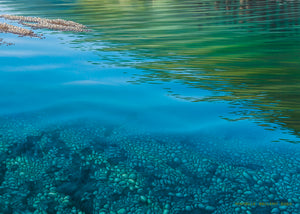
(164, 106)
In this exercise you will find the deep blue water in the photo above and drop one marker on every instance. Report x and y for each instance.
(136, 117)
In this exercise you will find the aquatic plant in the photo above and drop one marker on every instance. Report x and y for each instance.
(54, 24)
(5, 43)
(37, 23)
(7, 28)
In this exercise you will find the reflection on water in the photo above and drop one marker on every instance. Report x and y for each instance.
(137, 115)
(247, 49)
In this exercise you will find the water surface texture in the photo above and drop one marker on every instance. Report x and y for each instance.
(164, 106)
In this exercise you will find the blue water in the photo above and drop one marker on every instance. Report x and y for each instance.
(97, 123)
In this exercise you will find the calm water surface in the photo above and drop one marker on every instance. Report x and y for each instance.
(163, 107)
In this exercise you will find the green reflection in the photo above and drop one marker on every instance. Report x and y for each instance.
(249, 51)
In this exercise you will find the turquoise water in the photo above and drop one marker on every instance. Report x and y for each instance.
(163, 107)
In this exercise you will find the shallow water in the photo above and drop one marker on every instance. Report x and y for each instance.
(163, 107)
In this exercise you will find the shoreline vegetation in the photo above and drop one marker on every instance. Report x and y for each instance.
(37, 23)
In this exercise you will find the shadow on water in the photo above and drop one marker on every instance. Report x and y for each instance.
(245, 52)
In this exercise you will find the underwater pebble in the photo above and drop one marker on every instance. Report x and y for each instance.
(246, 175)
(131, 181)
(166, 211)
(167, 206)
(143, 199)
(188, 208)
(132, 176)
(271, 196)
(122, 183)
(282, 207)
(210, 208)
(121, 211)
(262, 189)
(179, 195)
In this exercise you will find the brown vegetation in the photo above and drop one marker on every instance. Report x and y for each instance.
(5, 43)
(54, 24)
(7, 28)
(36, 22)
